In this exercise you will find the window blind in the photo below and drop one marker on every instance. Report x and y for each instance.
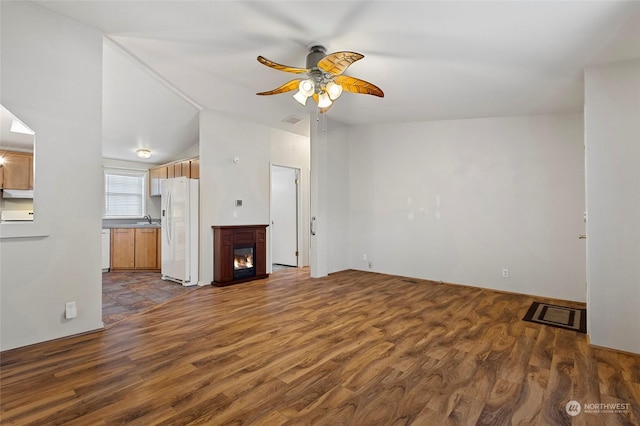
(124, 193)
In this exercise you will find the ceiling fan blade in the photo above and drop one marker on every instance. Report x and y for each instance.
(355, 85)
(336, 63)
(287, 87)
(279, 67)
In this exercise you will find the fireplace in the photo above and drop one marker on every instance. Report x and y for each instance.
(243, 265)
(239, 254)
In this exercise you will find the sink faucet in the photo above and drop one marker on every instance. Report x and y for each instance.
(148, 217)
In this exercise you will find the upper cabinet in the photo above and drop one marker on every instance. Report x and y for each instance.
(155, 175)
(189, 168)
(16, 170)
(195, 168)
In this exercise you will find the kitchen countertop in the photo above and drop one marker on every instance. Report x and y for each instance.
(130, 225)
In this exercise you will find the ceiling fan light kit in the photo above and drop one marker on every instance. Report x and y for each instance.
(306, 88)
(323, 100)
(334, 90)
(325, 82)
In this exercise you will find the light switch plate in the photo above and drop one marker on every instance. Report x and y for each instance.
(70, 310)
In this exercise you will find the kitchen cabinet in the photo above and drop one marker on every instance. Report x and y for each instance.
(123, 242)
(188, 168)
(134, 249)
(155, 176)
(146, 249)
(183, 169)
(194, 167)
(16, 171)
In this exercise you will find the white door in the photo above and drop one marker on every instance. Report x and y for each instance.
(284, 215)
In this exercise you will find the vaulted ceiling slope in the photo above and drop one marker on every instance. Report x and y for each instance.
(433, 59)
(140, 110)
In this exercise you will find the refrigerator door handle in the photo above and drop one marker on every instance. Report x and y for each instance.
(168, 219)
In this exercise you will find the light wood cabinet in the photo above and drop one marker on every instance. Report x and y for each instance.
(194, 166)
(146, 248)
(159, 250)
(134, 249)
(155, 176)
(188, 168)
(16, 170)
(123, 242)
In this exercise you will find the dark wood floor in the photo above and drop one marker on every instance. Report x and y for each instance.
(354, 348)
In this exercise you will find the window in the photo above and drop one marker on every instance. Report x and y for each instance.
(124, 194)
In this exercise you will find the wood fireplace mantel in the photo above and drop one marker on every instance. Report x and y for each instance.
(225, 238)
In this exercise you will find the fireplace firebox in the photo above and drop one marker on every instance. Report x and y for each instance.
(243, 265)
(239, 254)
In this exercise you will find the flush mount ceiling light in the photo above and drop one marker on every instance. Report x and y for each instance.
(324, 81)
(143, 153)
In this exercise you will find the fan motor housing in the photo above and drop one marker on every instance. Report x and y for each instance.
(316, 53)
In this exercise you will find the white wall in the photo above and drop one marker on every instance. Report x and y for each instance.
(51, 78)
(292, 150)
(223, 137)
(460, 200)
(338, 196)
(612, 129)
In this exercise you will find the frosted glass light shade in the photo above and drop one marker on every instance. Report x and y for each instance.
(306, 87)
(323, 100)
(300, 97)
(143, 153)
(334, 90)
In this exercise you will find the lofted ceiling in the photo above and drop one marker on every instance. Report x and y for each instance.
(11, 140)
(435, 60)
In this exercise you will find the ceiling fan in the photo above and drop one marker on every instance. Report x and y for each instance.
(324, 81)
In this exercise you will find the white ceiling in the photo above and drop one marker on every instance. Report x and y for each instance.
(435, 60)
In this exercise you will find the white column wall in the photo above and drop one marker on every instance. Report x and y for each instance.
(319, 197)
(612, 133)
(337, 197)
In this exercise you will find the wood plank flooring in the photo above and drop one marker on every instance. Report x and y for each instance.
(354, 348)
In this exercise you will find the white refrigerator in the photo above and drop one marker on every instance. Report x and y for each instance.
(180, 225)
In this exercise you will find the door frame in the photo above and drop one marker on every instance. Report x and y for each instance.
(299, 240)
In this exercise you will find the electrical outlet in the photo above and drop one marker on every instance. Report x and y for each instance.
(505, 273)
(364, 257)
(234, 214)
(70, 310)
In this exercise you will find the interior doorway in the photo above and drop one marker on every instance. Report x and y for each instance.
(285, 209)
